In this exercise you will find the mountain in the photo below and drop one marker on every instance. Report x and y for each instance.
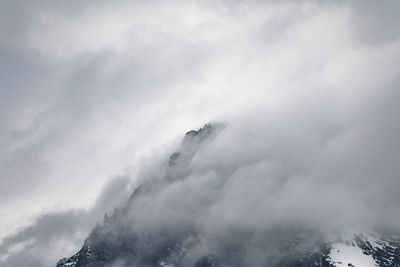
(174, 237)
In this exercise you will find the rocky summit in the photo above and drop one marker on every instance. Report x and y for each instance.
(174, 238)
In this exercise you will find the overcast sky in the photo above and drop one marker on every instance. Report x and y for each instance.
(92, 91)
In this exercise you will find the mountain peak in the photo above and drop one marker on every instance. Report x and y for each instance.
(171, 233)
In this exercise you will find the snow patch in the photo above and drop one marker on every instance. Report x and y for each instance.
(344, 255)
(164, 264)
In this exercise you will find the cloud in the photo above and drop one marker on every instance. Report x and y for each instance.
(56, 233)
(306, 90)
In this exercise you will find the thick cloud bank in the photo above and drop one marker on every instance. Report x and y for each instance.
(228, 196)
(307, 92)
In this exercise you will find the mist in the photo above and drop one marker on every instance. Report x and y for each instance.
(96, 96)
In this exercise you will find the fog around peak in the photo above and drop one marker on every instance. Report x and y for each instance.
(97, 96)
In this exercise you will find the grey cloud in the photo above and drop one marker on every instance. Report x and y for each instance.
(47, 104)
(52, 234)
(307, 91)
(244, 208)
(376, 24)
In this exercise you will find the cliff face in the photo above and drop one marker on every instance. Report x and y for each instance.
(145, 232)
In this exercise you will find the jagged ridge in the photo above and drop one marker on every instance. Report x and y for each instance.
(115, 242)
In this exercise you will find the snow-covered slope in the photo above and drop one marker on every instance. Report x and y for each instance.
(365, 249)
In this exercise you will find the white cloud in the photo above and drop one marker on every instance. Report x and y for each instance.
(91, 90)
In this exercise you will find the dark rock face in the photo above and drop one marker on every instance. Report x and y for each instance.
(119, 242)
(116, 243)
(209, 261)
(386, 251)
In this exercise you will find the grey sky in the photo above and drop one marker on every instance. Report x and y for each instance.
(95, 90)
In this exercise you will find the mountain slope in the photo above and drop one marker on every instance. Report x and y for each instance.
(132, 237)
